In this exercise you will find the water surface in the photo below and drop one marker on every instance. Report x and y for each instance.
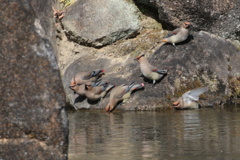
(204, 134)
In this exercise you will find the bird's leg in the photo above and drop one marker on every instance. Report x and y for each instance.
(174, 45)
(154, 81)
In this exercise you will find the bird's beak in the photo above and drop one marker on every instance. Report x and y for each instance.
(71, 87)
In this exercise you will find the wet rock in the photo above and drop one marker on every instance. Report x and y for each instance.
(100, 22)
(216, 16)
(203, 60)
(33, 118)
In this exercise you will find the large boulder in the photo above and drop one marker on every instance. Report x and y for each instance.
(100, 22)
(203, 60)
(34, 123)
(216, 16)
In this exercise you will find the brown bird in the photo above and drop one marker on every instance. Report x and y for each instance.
(189, 99)
(80, 89)
(121, 93)
(150, 71)
(178, 35)
(98, 92)
(84, 77)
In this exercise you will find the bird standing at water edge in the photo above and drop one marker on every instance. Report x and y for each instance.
(148, 70)
(121, 93)
(95, 93)
(80, 89)
(189, 99)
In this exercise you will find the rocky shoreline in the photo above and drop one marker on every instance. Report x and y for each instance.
(39, 56)
(205, 59)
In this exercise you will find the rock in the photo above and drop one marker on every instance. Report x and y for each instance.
(220, 17)
(98, 23)
(227, 25)
(34, 123)
(203, 60)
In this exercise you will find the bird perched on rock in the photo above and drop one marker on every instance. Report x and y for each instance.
(58, 14)
(80, 89)
(178, 35)
(150, 71)
(121, 93)
(189, 99)
(84, 77)
(97, 92)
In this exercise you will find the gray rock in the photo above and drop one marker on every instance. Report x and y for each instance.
(228, 25)
(203, 60)
(100, 22)
(216, 16)
(34, 123)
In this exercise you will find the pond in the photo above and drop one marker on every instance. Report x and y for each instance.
(162, 135)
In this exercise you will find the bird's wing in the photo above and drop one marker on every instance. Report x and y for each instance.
(160, 71)
(129, 87)
(174, 32)
(86, 75)
(152, 68)
(121, 91)
(98, 90)
(195, 93)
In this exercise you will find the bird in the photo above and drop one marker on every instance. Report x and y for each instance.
(84, 77)
(80, 89)
(150, 71)
(121, 93)
(178, 35)
(97, 92)
(189, 99)
(58, 14)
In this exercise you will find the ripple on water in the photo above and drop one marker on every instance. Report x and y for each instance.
(196, 134)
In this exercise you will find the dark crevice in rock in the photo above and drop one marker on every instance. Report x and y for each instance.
(150, 11)
(83, 41)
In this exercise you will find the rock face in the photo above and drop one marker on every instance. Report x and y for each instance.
(100, 22)
(227, 25)
(218, 16)
(203, 60)
(33, 118)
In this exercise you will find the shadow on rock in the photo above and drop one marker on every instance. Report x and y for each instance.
(93, 102)
(151, 81)
(79, 99)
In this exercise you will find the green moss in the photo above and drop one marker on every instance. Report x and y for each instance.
(236, 44)
(67, 3)
(234, 85)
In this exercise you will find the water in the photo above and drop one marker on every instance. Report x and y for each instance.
(180, 135)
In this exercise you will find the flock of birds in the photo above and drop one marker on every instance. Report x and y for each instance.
(88, 83)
